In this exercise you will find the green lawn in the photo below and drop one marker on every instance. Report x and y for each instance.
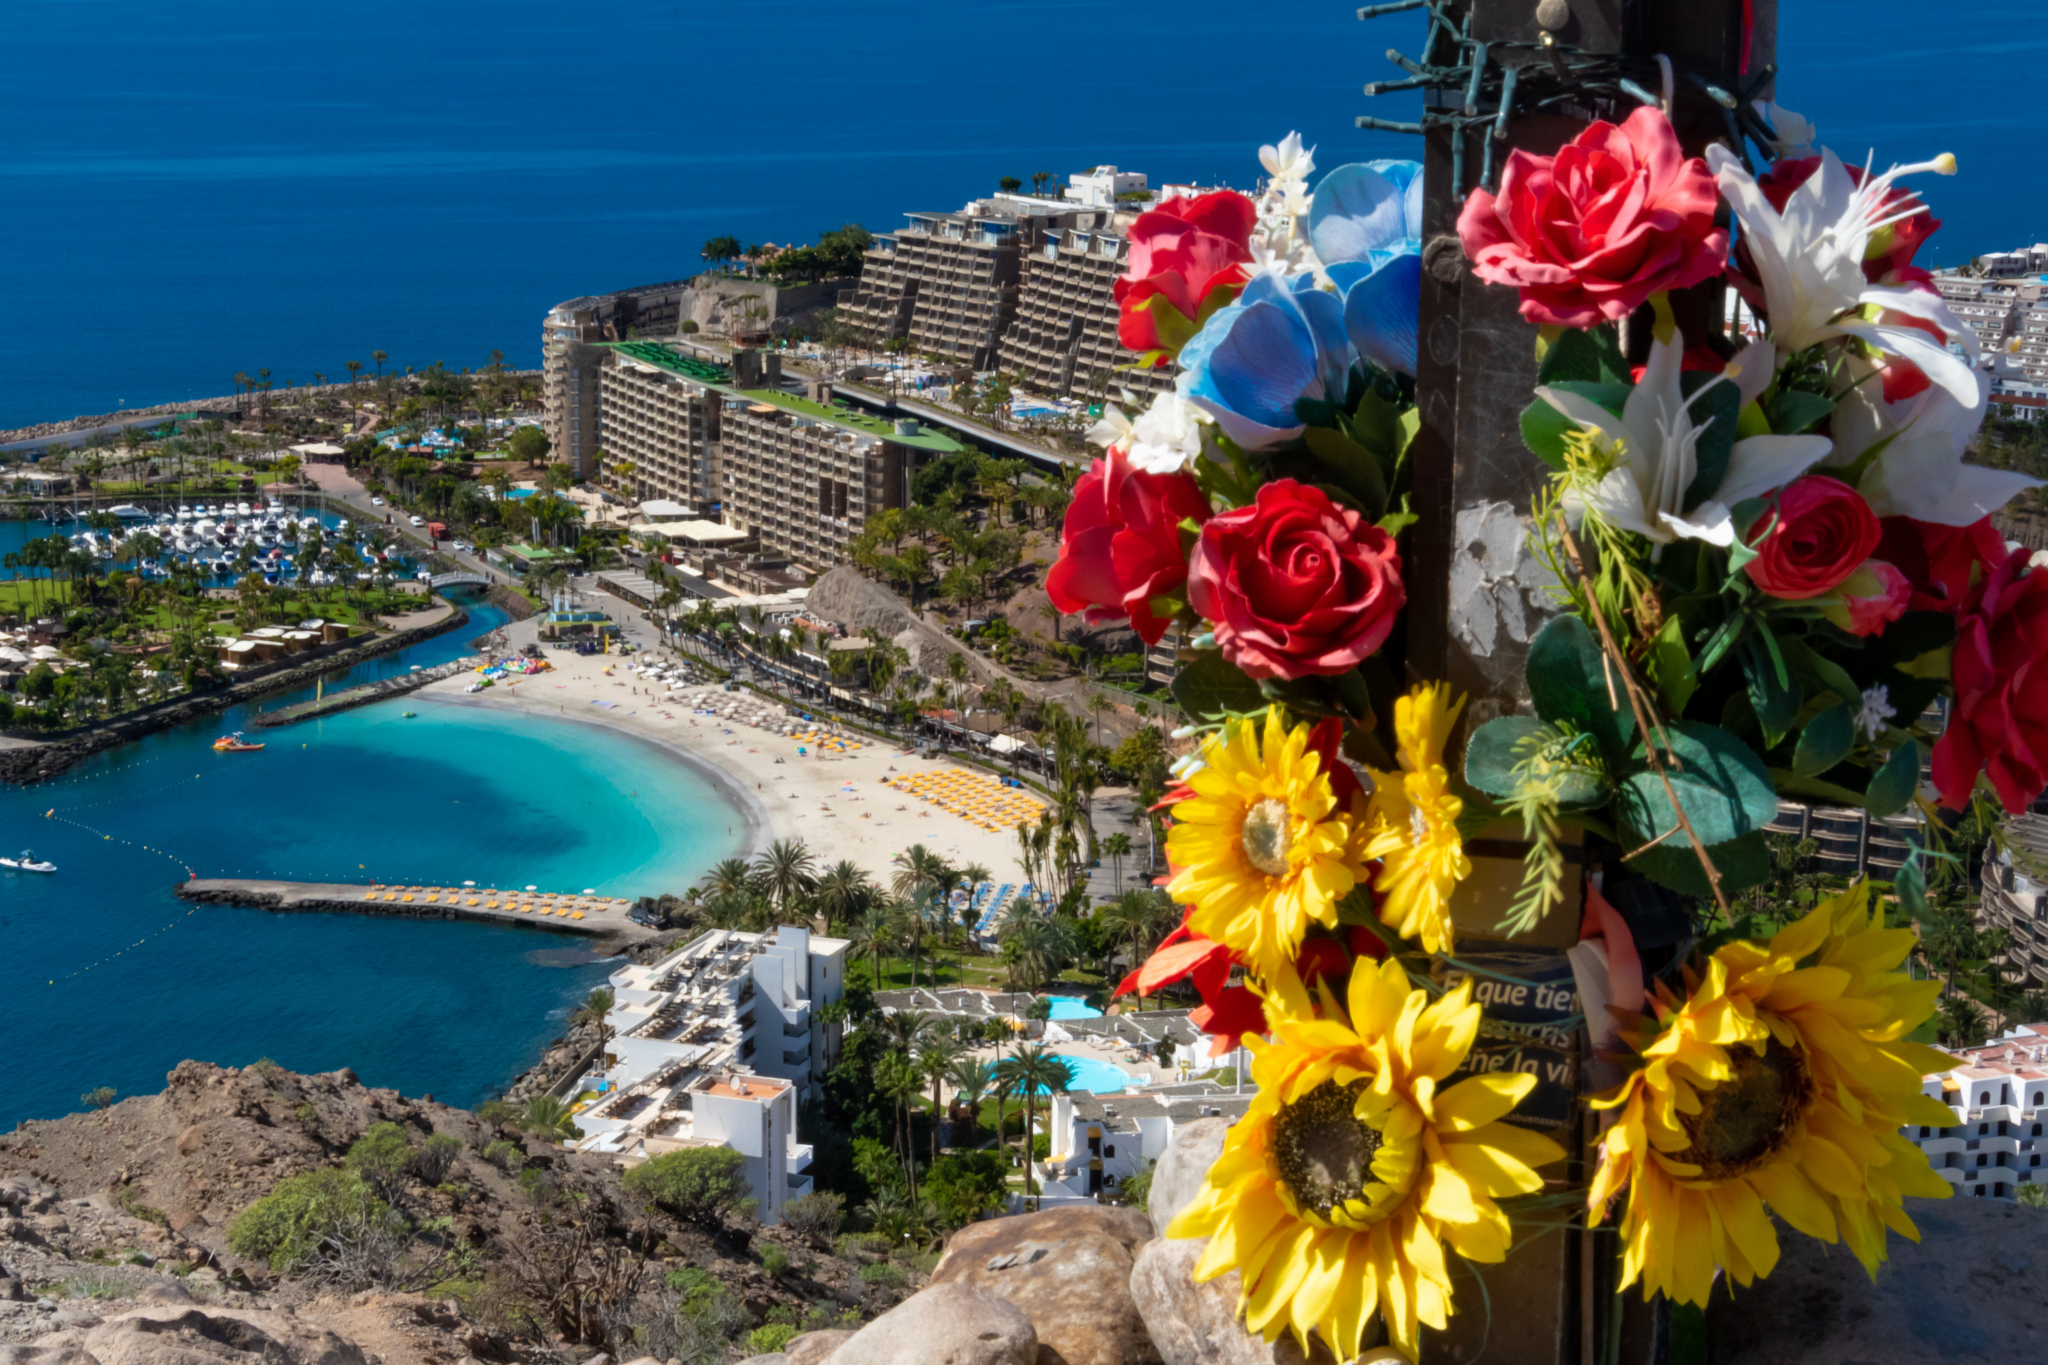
(28, 595)
(958, 967)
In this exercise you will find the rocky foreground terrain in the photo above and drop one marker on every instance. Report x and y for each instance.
(114, 1251)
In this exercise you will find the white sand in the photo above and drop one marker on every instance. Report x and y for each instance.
(800, 797)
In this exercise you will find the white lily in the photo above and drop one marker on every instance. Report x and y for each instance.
(1167, 436)
(1918, 470)
(1809, 260)
(1289, 160)
(1113, 428)
(1654, 445)
(1796, 133)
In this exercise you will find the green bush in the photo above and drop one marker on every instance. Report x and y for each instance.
(434, 1158)
(701, 1185)
(1041, 1145)
(770, 1339)
(497, 1111)
(815, 1216)
(885, 1273)
(505, 1154)
(383, 1151)
(775, 1261)
(966, 1185)
(286, 1226)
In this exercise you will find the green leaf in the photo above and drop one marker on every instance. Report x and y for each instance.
(1592, 356)
(1895, 782)
(1210, 685)
(1174, 328)
(1774, 694)
(1720, 782)
(1356, 469)
(1608, 396)
(1742, 862)
(1375, 424)
(1490, 755)
(1792, 412)
(1544, 429)
(1824, 742)
(1343, 695)
(1677, 679)
(1716, 408)
(1792, 784)
(1398, 520)
(1568, 683)
(1810, 664)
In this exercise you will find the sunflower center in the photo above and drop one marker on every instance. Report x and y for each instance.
(1266, 838)
(1743, 1122)
(1323, 1150)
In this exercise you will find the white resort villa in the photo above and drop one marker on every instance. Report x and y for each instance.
(715, 1045)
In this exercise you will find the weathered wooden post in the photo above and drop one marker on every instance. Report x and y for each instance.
(1498, 75)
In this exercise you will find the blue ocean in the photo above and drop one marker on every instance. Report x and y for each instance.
(215, 186)
(107, 979)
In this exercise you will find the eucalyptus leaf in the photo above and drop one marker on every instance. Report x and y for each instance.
(1824, 742)
(1569, 683)
(1895, 782)
(1721, 784)
(1490, 755)
(1210, 685)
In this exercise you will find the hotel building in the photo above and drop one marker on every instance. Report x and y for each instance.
(1064, 337)
(716, 1045)
(570, 359)
(1999, 1093)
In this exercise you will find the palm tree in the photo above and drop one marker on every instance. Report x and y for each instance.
(1116, 846)
(901, 1079)
(784, 871)
(546, 1116)
(1033, 1069)
(730, 877)
(972, 1081)
(935, 1058)
(918, 870)
(594, 1009)
(840, 892)
(380, 357)
(873, 934)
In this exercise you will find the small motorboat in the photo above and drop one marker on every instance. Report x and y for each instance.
(234, 744)
(27, 863)
(407, 715)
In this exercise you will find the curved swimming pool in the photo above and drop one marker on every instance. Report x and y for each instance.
(1095, 1077)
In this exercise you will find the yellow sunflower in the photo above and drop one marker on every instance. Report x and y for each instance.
(1781, 1079)
(1261, 847)
(1413, 823)
(1338, 1190)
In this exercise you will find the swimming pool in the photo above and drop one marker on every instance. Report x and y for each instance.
(1072, 1007)
(1097, 1078)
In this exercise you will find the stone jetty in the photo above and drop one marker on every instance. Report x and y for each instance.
(555, 912)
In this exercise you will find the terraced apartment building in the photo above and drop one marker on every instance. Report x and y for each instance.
(801, 474)
(1064, 338)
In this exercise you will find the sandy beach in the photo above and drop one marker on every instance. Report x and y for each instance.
(837, 803)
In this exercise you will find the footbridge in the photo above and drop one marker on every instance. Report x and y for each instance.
(449, 580)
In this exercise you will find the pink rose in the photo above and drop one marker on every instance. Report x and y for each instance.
(1617, 215)
(1294, 584)
(1818, 534)
(1869, 599)
(2000, 722)
(1120, 550)
(1182, 252)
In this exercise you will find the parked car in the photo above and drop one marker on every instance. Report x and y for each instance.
(419, 521)
(464, 547)
(376, 502)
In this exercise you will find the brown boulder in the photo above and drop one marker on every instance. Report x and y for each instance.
(1182, 1169)
(813, 1347)
(1069, 1269)
(45, 1355)
(947, 1324)
(1197, 1324)
(172, 1334)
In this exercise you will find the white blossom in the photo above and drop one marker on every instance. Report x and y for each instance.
(1167, 437)
(1288, 161)
(1876, 711)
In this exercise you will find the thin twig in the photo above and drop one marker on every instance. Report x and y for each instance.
(1652, 844)
(1639, 702)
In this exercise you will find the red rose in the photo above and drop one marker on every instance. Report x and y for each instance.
(1940, 561)
(1295, 584)
(2000, 721)
(1120, 550)
(1820, 532)
(1616, 216)
(1869, 599)
(1181, 253)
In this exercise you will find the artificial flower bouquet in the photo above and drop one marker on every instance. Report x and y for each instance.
(1770, 561)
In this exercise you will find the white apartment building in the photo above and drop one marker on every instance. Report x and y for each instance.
(1098, 189)
(1100, 1141)
(1999, 1093)
(717, 1044)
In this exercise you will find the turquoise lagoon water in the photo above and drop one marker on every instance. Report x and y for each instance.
(1098, 1078)
(107, 979)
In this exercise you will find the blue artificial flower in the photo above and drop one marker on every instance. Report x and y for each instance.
(1285, 340)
